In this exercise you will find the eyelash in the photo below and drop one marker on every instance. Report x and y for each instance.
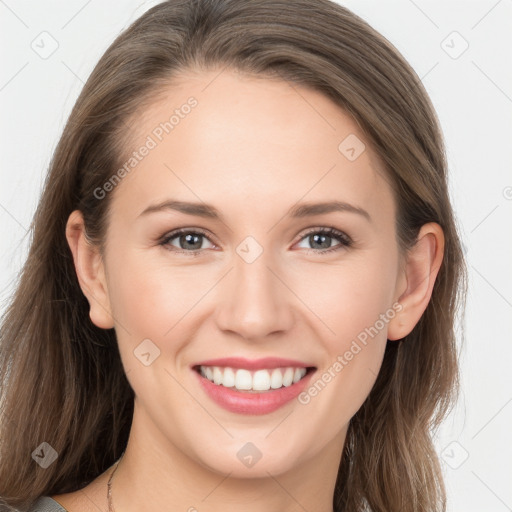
(345, 240)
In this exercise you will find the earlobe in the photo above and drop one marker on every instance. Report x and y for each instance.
(90, 271)
(422, 265)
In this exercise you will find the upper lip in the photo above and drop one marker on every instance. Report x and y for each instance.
(254, 364)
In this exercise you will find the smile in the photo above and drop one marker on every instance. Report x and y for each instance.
(255, 391)
(257, 381)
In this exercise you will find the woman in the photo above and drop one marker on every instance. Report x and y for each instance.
(301, 351)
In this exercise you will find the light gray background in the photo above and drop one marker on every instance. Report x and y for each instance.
(473, 97)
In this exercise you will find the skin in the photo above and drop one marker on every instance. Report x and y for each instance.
(253, 148)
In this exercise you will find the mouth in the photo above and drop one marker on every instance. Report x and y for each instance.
(264, 380)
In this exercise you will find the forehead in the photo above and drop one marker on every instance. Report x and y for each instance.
(243, 143)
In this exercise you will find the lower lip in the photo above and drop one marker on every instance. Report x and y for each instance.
(252, 403)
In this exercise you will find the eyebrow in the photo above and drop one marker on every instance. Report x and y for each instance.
(297, 211)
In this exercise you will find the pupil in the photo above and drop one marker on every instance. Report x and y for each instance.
(324, 244)
(188, 238)
(316, 238)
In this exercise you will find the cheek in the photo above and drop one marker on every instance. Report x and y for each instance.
(353, 354)
(349, 297)
(153, 301)
(149, 297)
(354, 306)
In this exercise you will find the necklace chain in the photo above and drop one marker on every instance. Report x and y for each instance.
(109, 486)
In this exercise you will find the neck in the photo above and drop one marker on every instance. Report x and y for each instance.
(154, 474)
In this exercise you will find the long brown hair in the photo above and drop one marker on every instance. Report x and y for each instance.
(61, 377)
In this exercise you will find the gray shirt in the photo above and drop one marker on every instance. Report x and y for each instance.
(46, 504)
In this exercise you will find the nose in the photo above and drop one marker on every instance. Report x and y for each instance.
(254, 300)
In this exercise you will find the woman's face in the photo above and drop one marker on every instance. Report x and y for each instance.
(244, 160)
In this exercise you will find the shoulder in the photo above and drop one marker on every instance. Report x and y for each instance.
(46, 504)
(91, 498)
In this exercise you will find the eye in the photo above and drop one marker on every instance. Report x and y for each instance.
(324, 237)
(189, 241)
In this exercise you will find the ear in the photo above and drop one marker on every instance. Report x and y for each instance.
(90, 271)
(416, 281)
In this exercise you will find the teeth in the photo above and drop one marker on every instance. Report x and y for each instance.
(261, 380)
(209, 373)
(245, 380)
(217, 375)
(276, 379)
(297, 375)
(228, 379)
(288, 377)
